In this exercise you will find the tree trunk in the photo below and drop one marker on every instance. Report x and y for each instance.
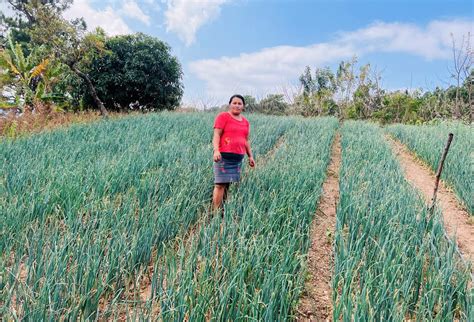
(92, 90)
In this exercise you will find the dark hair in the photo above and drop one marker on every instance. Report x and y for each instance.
(238, 96)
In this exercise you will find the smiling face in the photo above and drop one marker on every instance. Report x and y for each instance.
(236, 106)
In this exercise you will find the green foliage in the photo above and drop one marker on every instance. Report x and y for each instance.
(26, 77)
(357, 95)
(392, 261)
(399, 107)
(318, 91)
(273, 104)
(93, 205)
(24, 18)
(249, 265)
(137, 72)
(251, 104)
(428, 143)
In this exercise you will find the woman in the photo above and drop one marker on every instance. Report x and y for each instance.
(230, 141)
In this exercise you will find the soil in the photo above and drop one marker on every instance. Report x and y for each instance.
(457, 221)
(316, 303)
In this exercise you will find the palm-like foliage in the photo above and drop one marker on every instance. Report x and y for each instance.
(22, 74)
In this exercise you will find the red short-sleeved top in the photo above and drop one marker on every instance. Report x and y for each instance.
(234, 135)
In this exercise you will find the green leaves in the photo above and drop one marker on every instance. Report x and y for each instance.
(138, 72)
(428, 141)
(392, 261)
(92, 206)
(24, 74)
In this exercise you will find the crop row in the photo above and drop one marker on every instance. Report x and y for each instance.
(248, 265)
(391, 259)
(84, 209)
(428, 142)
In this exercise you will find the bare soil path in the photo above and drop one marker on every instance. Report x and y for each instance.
(457, 221)
(316, 301)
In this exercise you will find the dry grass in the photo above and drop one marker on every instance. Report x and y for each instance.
(45, 118)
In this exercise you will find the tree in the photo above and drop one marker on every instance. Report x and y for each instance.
(138, 71)
(462, 64)
(366, 98)
(273, 104)
(18, 25)
(325, 87)
(69, 44)
(469, 85)
(251, 104)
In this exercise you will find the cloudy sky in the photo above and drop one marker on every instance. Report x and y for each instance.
(261, 46)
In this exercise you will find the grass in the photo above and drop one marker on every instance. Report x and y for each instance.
(391, 259)
(428, 142)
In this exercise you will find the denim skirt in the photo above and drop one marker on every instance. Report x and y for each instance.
(228, 169)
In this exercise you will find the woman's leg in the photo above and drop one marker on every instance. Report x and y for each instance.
(226, 191)
(218, 195)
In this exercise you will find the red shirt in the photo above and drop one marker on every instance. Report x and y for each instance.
(234, 135)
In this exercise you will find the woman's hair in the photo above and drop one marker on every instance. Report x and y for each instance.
(238, 96)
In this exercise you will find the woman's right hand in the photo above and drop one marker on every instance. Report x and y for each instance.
(217, 156)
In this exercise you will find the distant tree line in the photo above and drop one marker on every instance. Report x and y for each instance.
(354, 92)
(47, 60)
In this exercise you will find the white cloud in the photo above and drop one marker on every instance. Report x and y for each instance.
(108, 19)
(131, 9)
(267, 70)
(432, 42)
(185, 17)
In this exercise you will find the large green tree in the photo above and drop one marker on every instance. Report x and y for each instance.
(138, 72)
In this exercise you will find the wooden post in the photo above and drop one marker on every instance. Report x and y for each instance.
(440, 169)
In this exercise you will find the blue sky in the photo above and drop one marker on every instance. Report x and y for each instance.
(261, 46)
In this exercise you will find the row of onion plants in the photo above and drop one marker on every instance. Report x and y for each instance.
(428, 142)
(392, 261)
(249, 263)
(85, 209)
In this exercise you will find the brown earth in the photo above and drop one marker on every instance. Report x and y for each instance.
(316, 303)
(457, 221)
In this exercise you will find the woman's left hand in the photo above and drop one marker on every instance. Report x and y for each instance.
(251, 162)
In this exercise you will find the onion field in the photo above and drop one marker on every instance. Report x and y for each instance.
(428, 142)
(111, 221)
(391, 259)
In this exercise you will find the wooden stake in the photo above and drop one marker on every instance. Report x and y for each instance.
(440, 169)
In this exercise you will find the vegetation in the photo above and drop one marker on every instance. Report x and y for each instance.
(428, 142)
(110, 220)
(84, 209)
(392, 261)
(137, 72)
(49, 60)
(354, 92)
(249, 265)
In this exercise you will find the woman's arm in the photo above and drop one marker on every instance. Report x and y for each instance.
(248, 150)
(215, 143)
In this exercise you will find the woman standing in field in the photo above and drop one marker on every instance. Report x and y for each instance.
(230, 141)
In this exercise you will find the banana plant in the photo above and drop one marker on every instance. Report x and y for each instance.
(22, 74)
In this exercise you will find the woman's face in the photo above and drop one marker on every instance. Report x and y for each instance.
(236, 106)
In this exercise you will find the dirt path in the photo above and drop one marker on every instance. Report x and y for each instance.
(316, 302)
(456, 219)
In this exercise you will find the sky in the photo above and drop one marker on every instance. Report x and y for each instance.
(260, 47)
